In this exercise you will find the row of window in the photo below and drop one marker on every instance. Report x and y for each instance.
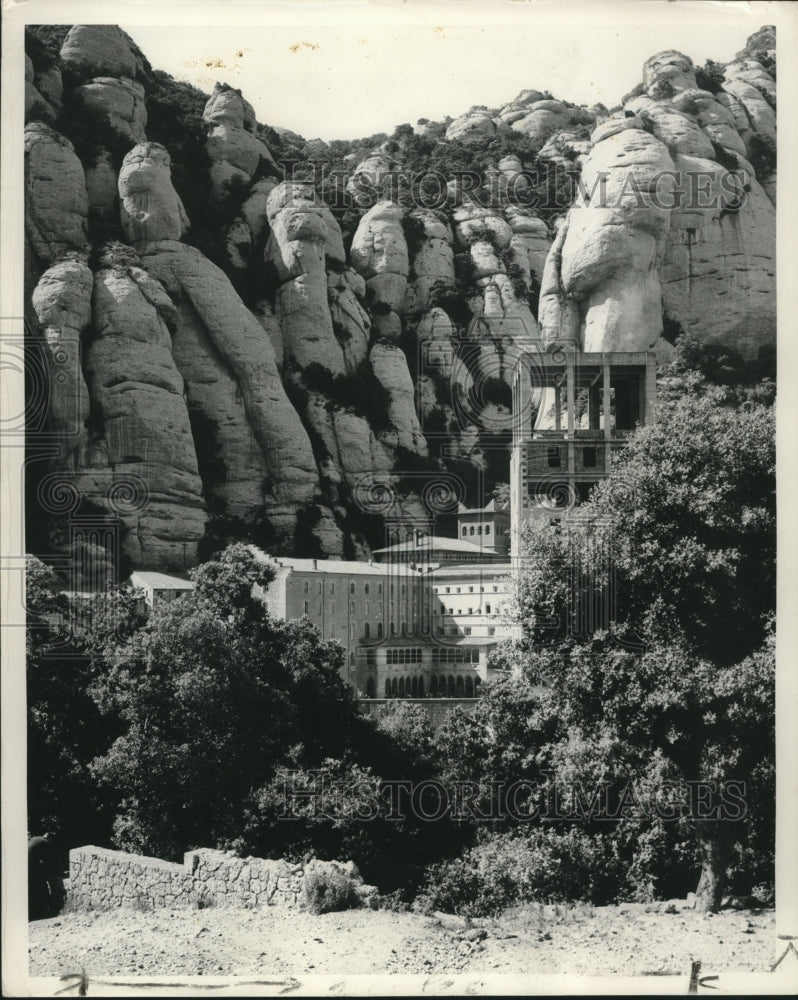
(403, 655)
(366, 588)
(554, 459)
(470, 611)
(439, 687)
(454, 630)
(459, 654)
(457, 590)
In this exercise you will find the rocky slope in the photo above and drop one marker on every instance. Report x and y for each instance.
(244, 345)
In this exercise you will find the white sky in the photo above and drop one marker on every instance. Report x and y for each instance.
(360, 75)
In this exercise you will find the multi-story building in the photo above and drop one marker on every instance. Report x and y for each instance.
(159, 587)
(572, 412)
(486, 526)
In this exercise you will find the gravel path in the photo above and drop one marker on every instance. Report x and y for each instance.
(630, 939)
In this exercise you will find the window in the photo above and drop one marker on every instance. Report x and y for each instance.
(495, 590)
(458, 590)
(306, 587)
(470, 590)
(554, 458)
(448, 590)
(352, 631)
(467, 630)
(379, 630)
(379, 588)
(465, 531)
(487, 529)
(332, 607)
(332, 588)
(589, 458)
(351, 588)
(366, 607)
(318, 609)
(487, 609)
(352, 607)
(351, 659)
(453, 631)
(366, 589)
(318, 586)
(491, 630)
(306, 608)
(471, 530)
(451, 611)
(371, 658)
(404, 590)
(479, 529)
(471, 611)
(367, 631)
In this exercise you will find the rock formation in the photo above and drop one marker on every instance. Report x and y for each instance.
(701, 251)
(232, 354)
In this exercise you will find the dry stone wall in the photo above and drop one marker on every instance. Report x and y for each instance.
(100, 878)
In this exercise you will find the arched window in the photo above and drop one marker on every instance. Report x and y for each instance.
(370, 688)
(306, 607)
(487, 529)
(479, 529)
(469, 687)
(401, 687)
(433, 686)
(460, 687)
(465, 531)
(379, 630)
(387, 688)
(450, 687)
(414, 687)
(394, 687)
(471, 530)
(306, 587)
(366, 631)
(366, 589)
(351, 588)
(477, 682)
(421, 687)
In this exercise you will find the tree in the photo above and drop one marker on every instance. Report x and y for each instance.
(678, 546)
(65, 729)
(213, 693)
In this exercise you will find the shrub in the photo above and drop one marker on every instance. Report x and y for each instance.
(710, 76)
(762, 156)
(415, 234)
(328, 890)
(542, 865)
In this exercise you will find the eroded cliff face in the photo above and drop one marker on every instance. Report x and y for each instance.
(246, 355)
(700, 254)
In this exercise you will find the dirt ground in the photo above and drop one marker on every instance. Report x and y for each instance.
(629, 939)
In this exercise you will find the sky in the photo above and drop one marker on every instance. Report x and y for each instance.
(364, 74)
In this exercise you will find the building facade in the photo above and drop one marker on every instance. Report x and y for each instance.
(572, 413)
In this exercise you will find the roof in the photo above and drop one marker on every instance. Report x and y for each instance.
(431, 543)
(470, 571)
(349, 567)
(487, 509)
(160, 581)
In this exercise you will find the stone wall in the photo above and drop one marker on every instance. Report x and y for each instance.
(100, 878)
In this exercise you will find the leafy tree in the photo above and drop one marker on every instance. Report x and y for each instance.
(213, 694)
(685, 527)
(65, 729)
